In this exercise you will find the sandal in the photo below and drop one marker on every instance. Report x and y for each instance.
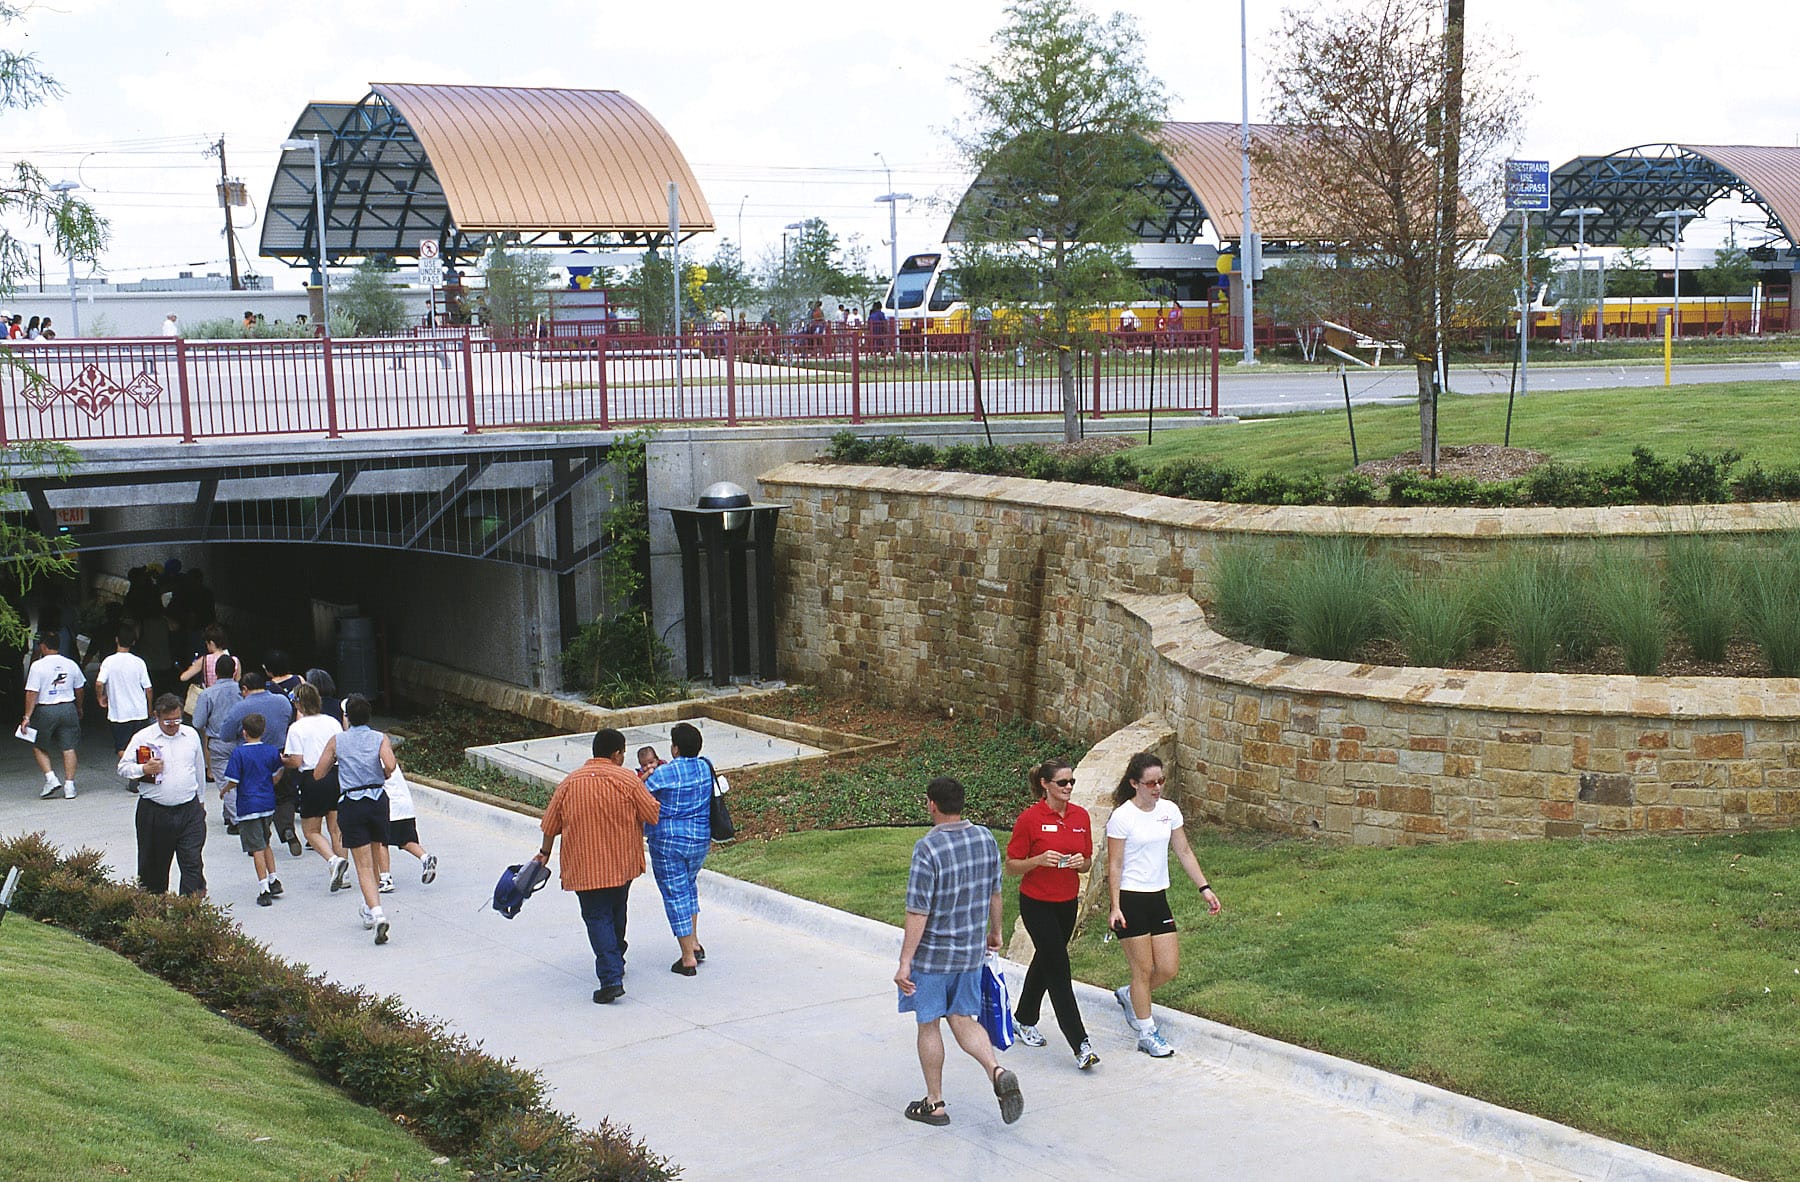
(1012, 1101)
(699, 952)
(925, 1112)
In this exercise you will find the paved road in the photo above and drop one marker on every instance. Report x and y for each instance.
(785, 1058)
(1273, 393)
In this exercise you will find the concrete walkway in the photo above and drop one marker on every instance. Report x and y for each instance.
(785, 1057)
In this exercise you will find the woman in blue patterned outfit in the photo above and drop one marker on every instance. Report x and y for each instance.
(681, 839)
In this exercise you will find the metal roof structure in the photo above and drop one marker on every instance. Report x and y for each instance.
(457, 164)
(1631, 185)
(1197, 182)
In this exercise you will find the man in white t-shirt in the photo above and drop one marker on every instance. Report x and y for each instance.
(53, 705)
(123, 687)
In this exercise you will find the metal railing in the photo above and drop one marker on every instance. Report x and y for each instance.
(170, 388)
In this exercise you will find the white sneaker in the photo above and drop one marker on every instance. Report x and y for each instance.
(1122, 995)
(1152, 1043)
(340, 866)
(69, 790)
(429, 872)
(50, 787)
(381, 929)
(1030, 1037)
(1085, 1057)
(386, 885)
(368, 917)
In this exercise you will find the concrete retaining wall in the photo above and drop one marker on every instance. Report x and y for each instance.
(1075, 607)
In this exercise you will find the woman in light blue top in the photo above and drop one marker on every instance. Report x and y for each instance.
(364, 759)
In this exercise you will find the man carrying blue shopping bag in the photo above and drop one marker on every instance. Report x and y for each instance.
(953, 918)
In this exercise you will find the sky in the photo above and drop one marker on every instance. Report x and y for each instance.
(780, 107)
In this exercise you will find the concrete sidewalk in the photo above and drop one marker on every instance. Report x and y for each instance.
(785, 1057)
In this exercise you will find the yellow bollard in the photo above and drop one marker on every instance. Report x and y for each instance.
(1668, 347)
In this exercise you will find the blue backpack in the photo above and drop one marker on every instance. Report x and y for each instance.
(517, 884)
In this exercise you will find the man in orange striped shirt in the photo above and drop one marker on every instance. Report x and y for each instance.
(600, 811)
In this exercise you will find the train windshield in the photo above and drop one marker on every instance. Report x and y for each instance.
(913, 279)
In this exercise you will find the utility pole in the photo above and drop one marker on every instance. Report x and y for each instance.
(225, 201)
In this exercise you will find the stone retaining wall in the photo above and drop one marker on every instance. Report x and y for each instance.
(1075, 607)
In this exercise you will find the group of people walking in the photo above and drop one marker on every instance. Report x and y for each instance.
(273, 745)
(954, 909)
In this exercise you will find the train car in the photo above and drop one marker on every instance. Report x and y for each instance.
(1558, 316)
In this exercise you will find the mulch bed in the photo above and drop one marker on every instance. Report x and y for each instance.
(1486, 462)
(1742, 659)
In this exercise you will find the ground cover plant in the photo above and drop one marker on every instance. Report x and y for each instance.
(456, 1098)
(1645, 990)
(434, 740)
(116, 1074)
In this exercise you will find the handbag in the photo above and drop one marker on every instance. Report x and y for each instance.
(996, 1007)
(193, 699)
(719, 815)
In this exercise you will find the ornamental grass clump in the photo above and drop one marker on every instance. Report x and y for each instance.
(1700, 584)
(1628, 608)
(1531, 600)
(1769, 581)
(1432, 618)
(1332, 597)
(1247, 605)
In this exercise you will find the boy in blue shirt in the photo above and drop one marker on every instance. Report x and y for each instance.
(251, 770)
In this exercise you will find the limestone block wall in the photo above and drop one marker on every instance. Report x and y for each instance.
(1075, 607)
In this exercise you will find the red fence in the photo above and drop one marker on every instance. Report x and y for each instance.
(157, 388)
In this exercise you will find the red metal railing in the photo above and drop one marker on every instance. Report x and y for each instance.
(150, 388)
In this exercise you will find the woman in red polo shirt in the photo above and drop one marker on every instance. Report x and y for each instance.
(1051, 845)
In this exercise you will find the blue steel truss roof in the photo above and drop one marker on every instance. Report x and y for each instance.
(457, 164)
(1633, 184)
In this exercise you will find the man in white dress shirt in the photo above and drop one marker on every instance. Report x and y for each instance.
(169, 760)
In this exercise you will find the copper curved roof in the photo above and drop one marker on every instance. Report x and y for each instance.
(1207, 157)
(532, 159)
(1773, 175)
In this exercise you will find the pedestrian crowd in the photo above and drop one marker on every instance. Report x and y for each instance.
(286, 755)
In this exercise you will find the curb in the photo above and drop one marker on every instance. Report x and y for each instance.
(1475, 1122)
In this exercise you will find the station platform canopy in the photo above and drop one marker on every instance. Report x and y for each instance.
(1196, 184)
(1632, 185)
(457, 165)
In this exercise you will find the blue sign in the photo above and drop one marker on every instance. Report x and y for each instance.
(1528, 185)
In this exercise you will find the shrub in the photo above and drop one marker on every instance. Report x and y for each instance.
(1628, 609)
(1354, 489)
(896, 451)
(1198, 480)
(1247, 605)
(1770, 586)
(1266, 488)
(1758, 484)
(1331, 595)
(1433, 619)
(847, 447)
(1701, 587)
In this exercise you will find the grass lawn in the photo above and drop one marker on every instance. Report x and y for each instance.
(1646, 990)
(1574, 427)
(110, 1073)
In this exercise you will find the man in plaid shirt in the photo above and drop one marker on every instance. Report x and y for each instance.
(953, 913)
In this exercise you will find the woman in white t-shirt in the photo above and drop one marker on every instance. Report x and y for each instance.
(1142, 828)
(306, 739)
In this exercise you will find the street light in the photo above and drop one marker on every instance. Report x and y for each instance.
(65, 188)
(318, 156)
(1581, 214)
(1676, 215)
(893, 200)
(1249, 251)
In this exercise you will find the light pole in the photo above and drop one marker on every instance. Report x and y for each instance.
(318, 156)
(1249, 251)
(1581, 214)
(65, 188)
(1675, 215)
(892, 199)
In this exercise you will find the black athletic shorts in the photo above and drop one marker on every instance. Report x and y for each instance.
(1146, 913)
(363, 822)
(403, 832)
(318, 797)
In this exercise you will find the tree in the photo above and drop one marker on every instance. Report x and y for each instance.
(1378, 122)
(1630, 273)
(728, 281)
(1732, 272)
(817, 267)
(28, 201)
(370, 301)
(515, 288)
(1060, 139)
(647, 289)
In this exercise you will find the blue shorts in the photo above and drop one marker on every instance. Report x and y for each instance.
(938, 994)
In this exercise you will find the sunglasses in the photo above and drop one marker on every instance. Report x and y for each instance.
(1068, 783)
(1149, 783)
